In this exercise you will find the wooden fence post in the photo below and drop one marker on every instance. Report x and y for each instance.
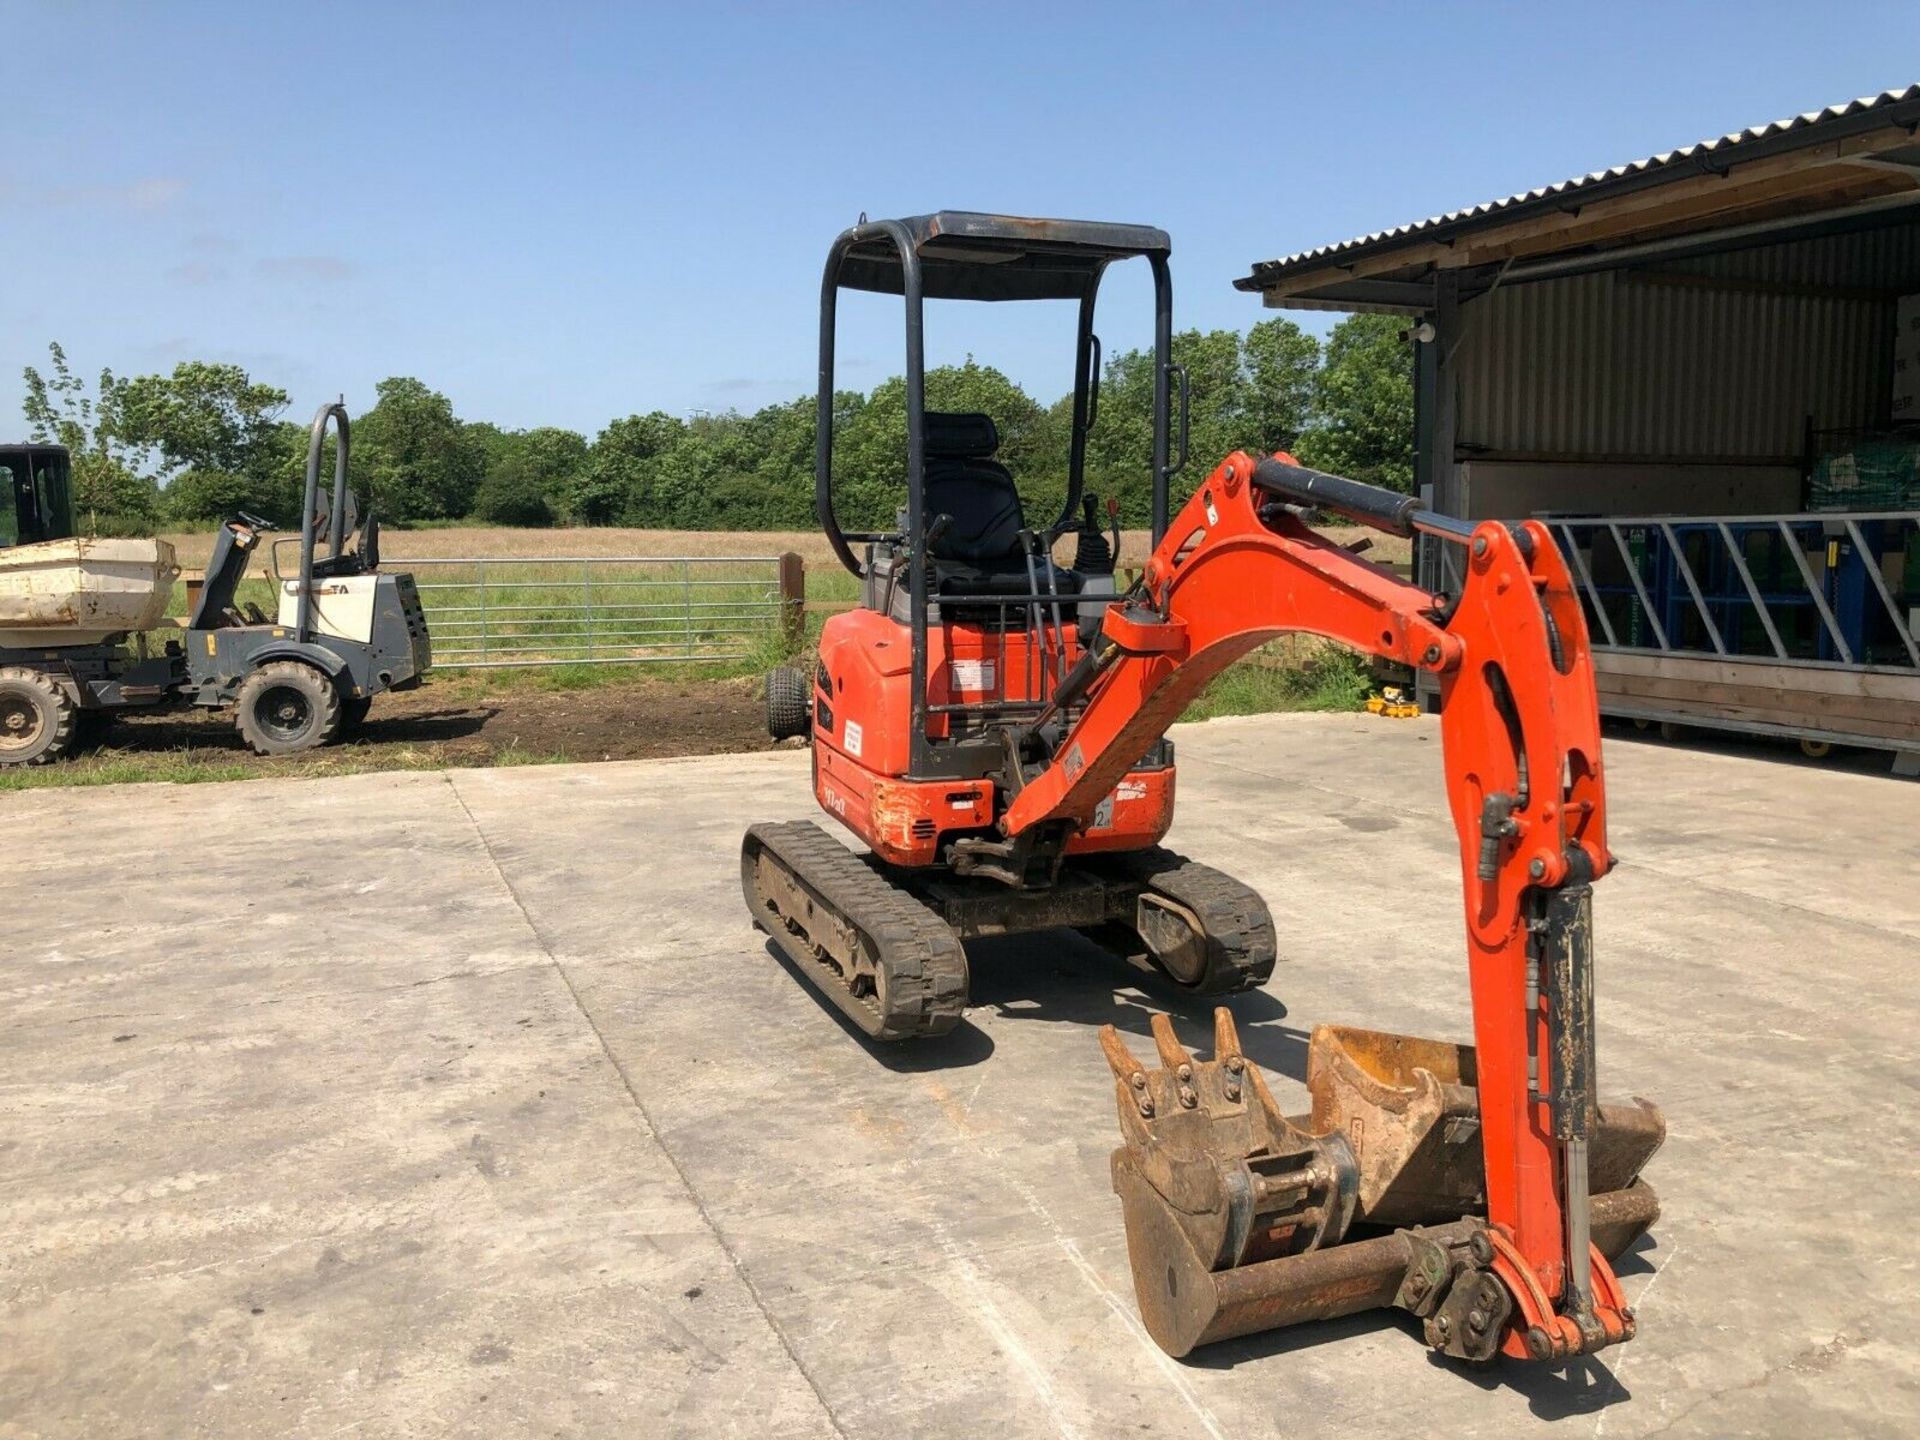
(793, 598)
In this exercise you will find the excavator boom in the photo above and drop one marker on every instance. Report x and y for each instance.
(1520, 730)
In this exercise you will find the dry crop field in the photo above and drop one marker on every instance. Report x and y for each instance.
(823, 570)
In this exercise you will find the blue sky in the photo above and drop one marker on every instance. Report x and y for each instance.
(562, 213)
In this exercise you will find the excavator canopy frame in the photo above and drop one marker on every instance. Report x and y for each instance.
(962, 255)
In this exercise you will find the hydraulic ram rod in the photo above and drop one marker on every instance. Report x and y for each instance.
(1372, 505)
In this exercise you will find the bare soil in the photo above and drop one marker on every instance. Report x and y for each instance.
(440, 725)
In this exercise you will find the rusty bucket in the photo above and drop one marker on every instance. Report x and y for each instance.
(1240, 1219)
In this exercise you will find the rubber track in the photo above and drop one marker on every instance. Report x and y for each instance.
(1240, 942)
(925, 965)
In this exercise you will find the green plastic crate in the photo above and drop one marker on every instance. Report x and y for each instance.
(1871, 475)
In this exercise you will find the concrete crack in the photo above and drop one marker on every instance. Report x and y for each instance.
(646, 1118)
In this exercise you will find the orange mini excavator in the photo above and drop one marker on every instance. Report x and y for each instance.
(991, 724)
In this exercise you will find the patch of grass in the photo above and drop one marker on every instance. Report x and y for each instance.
(189, 767)
(178, 767)
(1289, 675)
(514, 754)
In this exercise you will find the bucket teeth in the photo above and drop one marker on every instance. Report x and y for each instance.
(1127, 1070)
(1211, 1174)
(1171, 1055)
(1226, 1039)
(1192, 1125)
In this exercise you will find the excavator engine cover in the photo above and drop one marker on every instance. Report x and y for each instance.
(1240, 1219)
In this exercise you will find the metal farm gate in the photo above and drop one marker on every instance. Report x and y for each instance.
(496, 612)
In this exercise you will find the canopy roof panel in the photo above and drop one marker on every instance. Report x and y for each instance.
(965, 255)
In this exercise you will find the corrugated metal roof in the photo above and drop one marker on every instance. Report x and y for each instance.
(1267, 270)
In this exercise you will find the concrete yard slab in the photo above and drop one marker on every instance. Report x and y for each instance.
(425, 1104)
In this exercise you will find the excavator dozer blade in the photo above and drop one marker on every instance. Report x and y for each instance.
(1240, 1219)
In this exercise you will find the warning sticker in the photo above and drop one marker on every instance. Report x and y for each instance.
(973, 675)
(853, 737)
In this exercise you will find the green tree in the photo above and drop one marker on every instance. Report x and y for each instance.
(771, 482)
(221, 432)
(530, 475)
(194, 497)
(513, 493)
(413, 456)
(204, 416)
(110, 494)
(1363, 426)
(1282, 363)
(111, 498)
(1120, 449)
(616, 484)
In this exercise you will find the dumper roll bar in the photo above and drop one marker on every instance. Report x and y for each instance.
(336, 413)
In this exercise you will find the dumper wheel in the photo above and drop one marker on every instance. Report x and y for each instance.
(38, 723)
(285, 707)
(353, 712)
(788, 712)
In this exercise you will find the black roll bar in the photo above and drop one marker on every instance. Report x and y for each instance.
(1162, 376)
(336, 412)
(913, 294)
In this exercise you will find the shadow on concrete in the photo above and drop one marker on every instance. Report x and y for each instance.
(1061, 977)
(963, 1046)
(1635, 1259)
(1583, 1386)
(1773, 749)
(1229, 1353)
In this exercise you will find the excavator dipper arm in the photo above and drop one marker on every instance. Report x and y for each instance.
(1520, 730)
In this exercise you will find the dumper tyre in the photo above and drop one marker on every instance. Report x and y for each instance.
(788, 712)
(38, 720)
(285, 707)
(353, 713)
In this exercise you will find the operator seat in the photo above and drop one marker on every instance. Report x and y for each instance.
(978, 551)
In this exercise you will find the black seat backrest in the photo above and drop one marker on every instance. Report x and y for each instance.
(965, 482)
(226, 568)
